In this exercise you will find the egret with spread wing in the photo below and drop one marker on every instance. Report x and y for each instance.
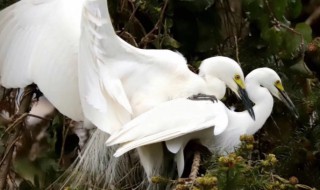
(71, 51)
(178, 121)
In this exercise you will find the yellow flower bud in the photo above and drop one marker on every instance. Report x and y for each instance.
(243, 137)
(250, 139)
(293, 180)
(249, 146)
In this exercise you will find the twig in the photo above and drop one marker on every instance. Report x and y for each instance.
(16, 122)
(287, 182)
(304, 187)
(6, 163)
(313, 17)
(65, 131)
(195, 165)
(8, 150)
(237, 49)
(36, 116)
(135, 8)
(128, 36)
(279, 24)
(144, 40)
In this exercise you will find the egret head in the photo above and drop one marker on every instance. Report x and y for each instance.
(228, 71)
(269, 79)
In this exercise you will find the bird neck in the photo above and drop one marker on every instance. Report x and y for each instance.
(241, 123)
(214, 86)
(263, 105)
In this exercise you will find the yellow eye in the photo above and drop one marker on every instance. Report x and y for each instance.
(237, 77)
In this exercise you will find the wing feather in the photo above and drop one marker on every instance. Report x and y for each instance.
(39, 41)
(118, 70)
(170, 120)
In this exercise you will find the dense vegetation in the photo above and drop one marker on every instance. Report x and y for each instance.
(282, 35)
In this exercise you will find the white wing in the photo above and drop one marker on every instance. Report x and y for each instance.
(39, 41)
(170, 120)
(114, 73)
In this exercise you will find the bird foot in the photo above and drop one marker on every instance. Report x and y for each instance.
(203, 97)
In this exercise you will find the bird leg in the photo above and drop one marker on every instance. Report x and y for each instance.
(203, 97)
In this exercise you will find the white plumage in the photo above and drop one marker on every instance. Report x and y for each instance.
(72, 57)
(71, 51)
(178, 121)
(39, 41)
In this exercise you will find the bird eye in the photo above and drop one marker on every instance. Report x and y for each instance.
(237, 77)
(277, 82)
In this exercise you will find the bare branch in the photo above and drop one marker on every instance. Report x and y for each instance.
(145, 40)
(313, 17)
(195, 165)
(17, 124)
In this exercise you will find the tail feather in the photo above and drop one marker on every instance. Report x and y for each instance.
(97, 168)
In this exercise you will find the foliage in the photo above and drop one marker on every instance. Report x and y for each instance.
(240, 170)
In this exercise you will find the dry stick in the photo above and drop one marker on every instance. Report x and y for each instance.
(283, 180)
(5, 165)
(39, 117)
(135, 8)
(195, 165)
(65, 131)
(237, 48)
(313, 17)
(144, 40)
(15, 122)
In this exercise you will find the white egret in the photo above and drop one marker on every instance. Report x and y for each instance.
(116, 79)
(71, 51)
(178, 121)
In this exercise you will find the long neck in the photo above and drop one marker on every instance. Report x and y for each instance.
(263, 104)
(263, 107)
(241, 123)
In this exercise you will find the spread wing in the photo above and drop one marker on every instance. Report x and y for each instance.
(112, 72)
(39, 41)
(70, 50)
(170, 120)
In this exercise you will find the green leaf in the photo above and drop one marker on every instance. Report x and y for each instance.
(301, 68)
(168, 41)
(294, 8)
(305, 30)
(279, 8)
(291, 45)
(274, 38)
(168, 23)
(196, 5)
(256, 12)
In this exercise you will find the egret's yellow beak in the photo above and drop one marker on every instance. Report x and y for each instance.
(283, 96)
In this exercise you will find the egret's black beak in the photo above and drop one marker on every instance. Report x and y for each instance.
(246, 102)
(287, 101)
